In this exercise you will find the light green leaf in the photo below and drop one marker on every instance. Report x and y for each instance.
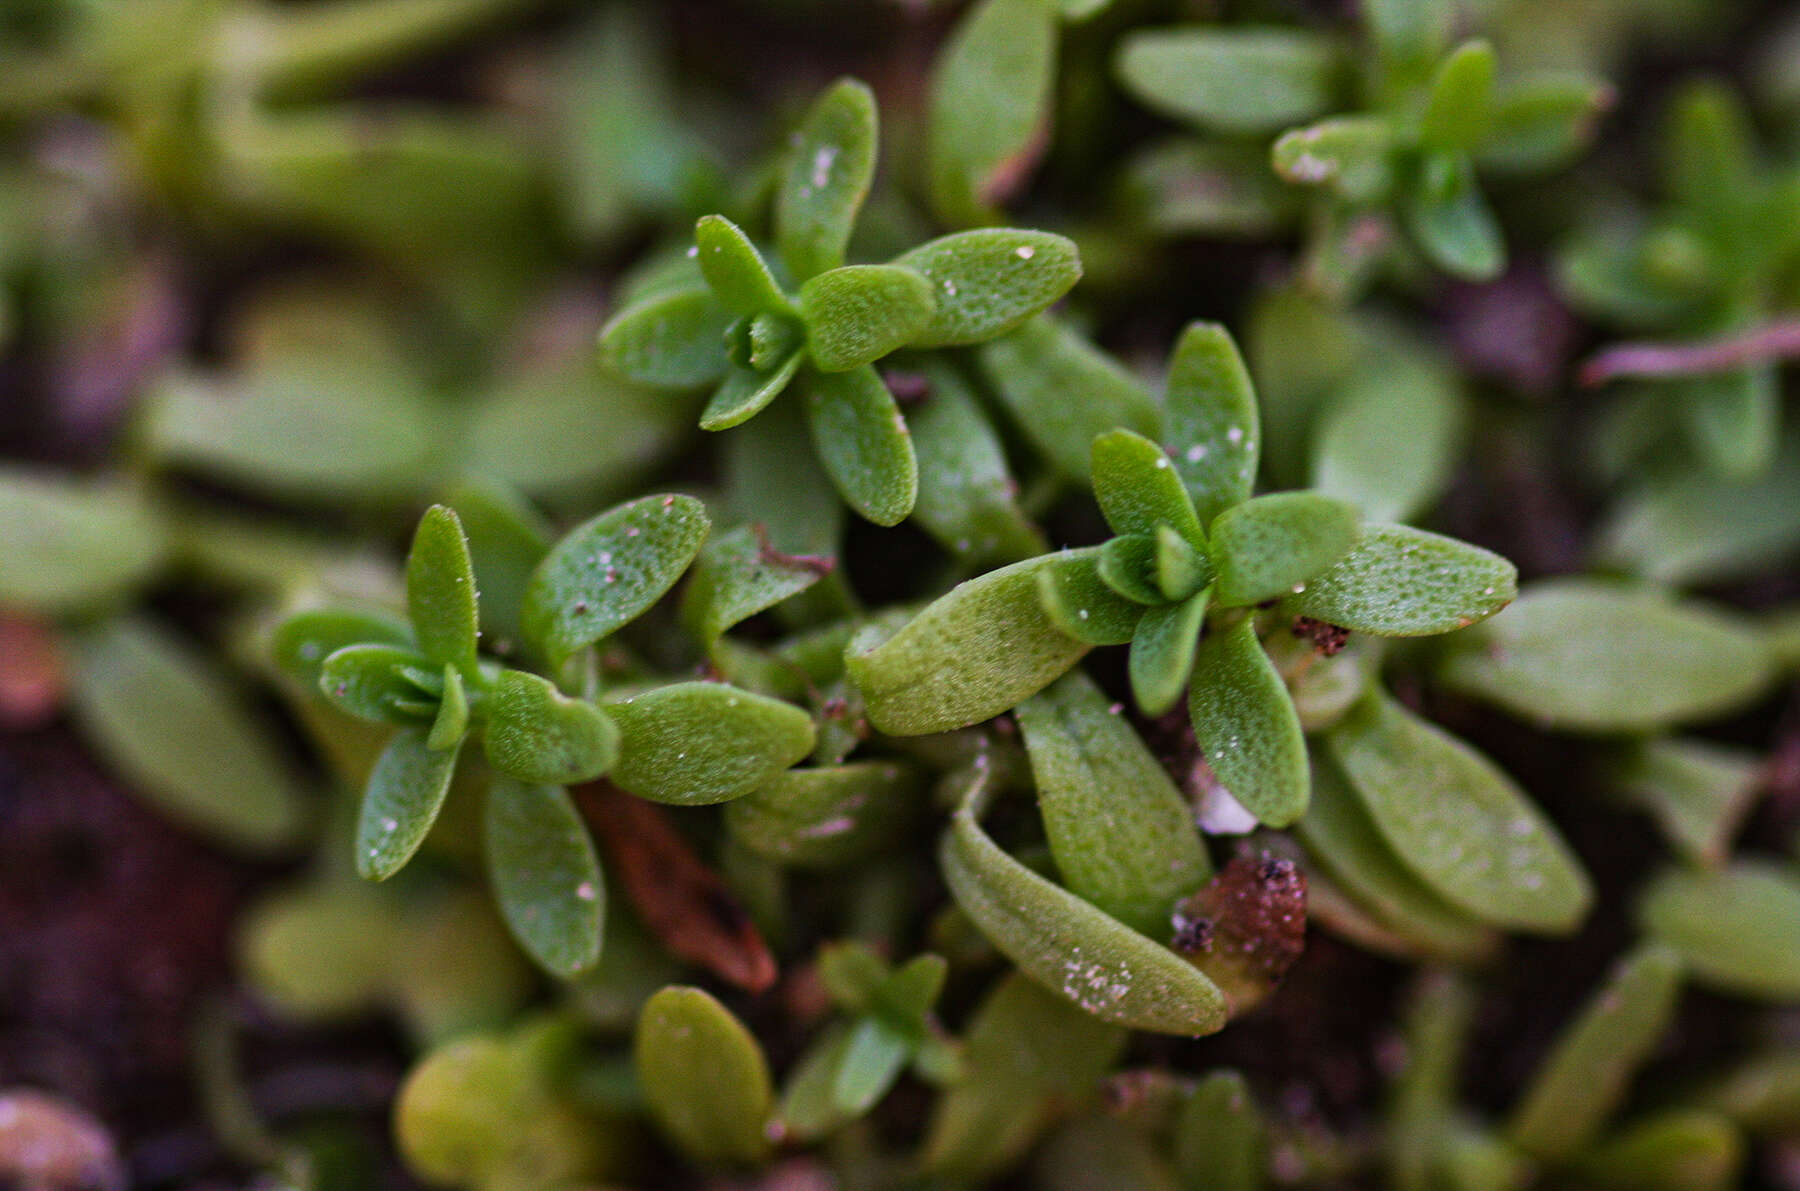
(302, 642)
(674, 338)
(1676, 1150)
(1698, 791)
(406, 792)
(1079, 603)
(1271, 546)
(858, 313)
(1162, 652)
(1214, 434)
(1245, 724)
(872, 1062)
(1403, 582)
(973, 653)
(536, 734)
(990, 107)
(1352, 155)
(825, 178)
(372, 682)
(452, 722)
(320, 952)
(809, 1108)
(1738, 929)
(861, 439)
(440, 590)
(1390, 440)
(1457, 821)
(828, 818)
(1220, 1141)
(507, 540)
(1035, 369)
(1543, 122)
(745, 392)
(70, 545)
(987, 282)
(183, 736)
(1122, 835)
(1450, 221)
(1246, 80)
(697, 743)
(1460, 108)
(1139, 490)
(1181, 569)
(737, 576)
(1128, 566)
(968, 499)
(704, 1078)
(735, 270)
(1583, 1080)
(609, 570)
(1424, 1100)
(1587, 656)
(1735, 418)
(545, 874)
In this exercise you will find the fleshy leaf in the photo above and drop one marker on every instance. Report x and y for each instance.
(507, 540)
(1582, 1081)
(1737, 930)
(745, 392)
(828, 818)
(1080, 604)
(536, 734)
(70, 545)
(737, 576)
(1271, 546)
(1403, 582)
(1036, 368)
(1390, 440)
(862, 442)
(873, 1059)
(369, 682)
(734, 269)
(1128, 566)
(440, 590)
(988, 281)
(1122, 835)
(1139, 490)
(545, 874)
(1214, 433)
(1699, 791)
(302, 642)
(1162, 652)
(452, 722)
(990, 107)
(1450, 220)
(1220, 1141)
(858, 313)
(974, 652)
(1245, 724)
(704, 1078)
(1352, 155)
(1244, 80)
(176, 729)
(1457, 821)
(1460, 109)
(1543, 122)
(697, 743)
(1589, 656)
(1181, 570)
(968, 499)
(674, 338)
(609, 570)
(406, 791)
(829, 166)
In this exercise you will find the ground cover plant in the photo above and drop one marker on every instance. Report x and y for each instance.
(899, 594)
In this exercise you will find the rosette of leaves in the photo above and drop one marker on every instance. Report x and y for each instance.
(1416, 119)
(1715, 259)
(684, 743)
(806, 320)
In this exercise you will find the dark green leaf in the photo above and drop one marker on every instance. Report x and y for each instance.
(968, 499)
(70, 545)
(1245, 724)
(370, 682)
(609, 570)
(1460, 109)
(440, 590)
(1080, 604)
(990, 107)
(406, 791)
(1738, 930)
(737, 576)
(545, 875)
(1450, 221)
(1709, 153)
(858, 313)
(1139, 490)
(536, 734)
(675, 338)
(704, 1079)
(1247, 79)
(829, 166)
(828, 818)
(1128, 566)
(735, 270)
(696, 743)
(1272, 546)
(1162, 652)
(745, 392)
(987, 282)
(861, 440)
(1403, 582)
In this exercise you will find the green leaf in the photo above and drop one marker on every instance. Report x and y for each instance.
(1458, 822)
(987, 282)
(545, 875)
(1588, 656)
(809, 1108)
(1181, 569)
(1699, 792)
(745, 392)
(990, 107)
(735, 270)
(1390, 440)
(609, 570)
(861, 440)
(974, 652)
(1709, 153)
(697, 743)
(1582, 1082)
(1676, 1150)
(968, 499)
(858, 313)
(371, 683)
(871, 1063)
(1080, 604)
(183, 736)
(1182, 186)
(1214, 433)
(71, 545)
(828, 818)
(302, 642)
(825, 178)
(672, 338)
(1122, 835)
(737, 576)
(1450, 221)
(1035, 369)
(1737, 930)
(1128, 566)
(452, 721)
(1139, 490)
(406, 792)
(1245, 724)
(1162, 651)
(350, 926)
(1352, 155)
(1542, 123)
(536, 734)
(1761, 1093)
(1735, 416)
(1245, 80)
(1460, 108)
(440, 590)
(1403, 582)
(1070, 946)
(1220, 1141)
(1272, 546)
(704, 1079)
